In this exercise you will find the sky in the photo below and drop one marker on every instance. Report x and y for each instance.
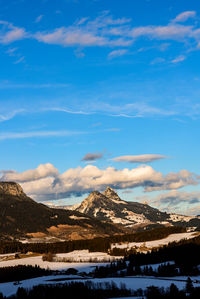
(97, 93)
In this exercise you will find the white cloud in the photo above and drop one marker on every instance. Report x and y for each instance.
(187, 202)
(170, 31)
(105, 31)
(138, 158)
(43, 170)
(39, 18)
(117, 53)
(11, 51)
(66, 110)
(178, 59)
(71, 37)
(175, 197)
(184, 16)
(10, 33)
(45, 183)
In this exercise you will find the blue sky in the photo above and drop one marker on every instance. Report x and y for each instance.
(97, 93)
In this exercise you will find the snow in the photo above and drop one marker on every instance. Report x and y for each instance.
(177, 217)
(75, 256)
(77, 218)
(133, 283)
(138, 218)
(156, 243)
(8, 288)
(118, 201)
(85, 255)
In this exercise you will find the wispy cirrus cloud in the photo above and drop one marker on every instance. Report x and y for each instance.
(66, 110)
(131, 110)
(184, 16)
(10, 115)
(21, 59)
(138, 158)
(117, 53)
(39, 18)
(34, 134)
(178, 59)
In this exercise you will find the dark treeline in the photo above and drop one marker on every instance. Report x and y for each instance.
(73, 290)
(21, 272)
(184, 254)
(96, 244)
(189, 292)
(105, 290)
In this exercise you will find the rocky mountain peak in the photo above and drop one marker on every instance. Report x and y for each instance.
(11, 188)
(111, 194)
(94, 194)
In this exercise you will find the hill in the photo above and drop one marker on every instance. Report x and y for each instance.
(20, 216)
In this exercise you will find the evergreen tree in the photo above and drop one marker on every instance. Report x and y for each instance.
(189, 285)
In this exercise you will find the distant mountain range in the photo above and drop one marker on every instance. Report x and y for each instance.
(109, 207)
(99, 215)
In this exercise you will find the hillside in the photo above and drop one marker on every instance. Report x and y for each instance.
(20, 216)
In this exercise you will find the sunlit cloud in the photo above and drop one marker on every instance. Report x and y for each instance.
(45, 183)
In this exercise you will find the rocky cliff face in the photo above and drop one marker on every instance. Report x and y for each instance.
(111, 194)
(11, 188)
(109, 207)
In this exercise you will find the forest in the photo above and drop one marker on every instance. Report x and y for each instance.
(96, 244)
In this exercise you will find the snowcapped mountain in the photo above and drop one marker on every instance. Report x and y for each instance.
(109, 207)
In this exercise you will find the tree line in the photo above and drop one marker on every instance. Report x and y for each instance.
(93, 245)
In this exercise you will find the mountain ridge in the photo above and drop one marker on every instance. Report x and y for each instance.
(108, 206)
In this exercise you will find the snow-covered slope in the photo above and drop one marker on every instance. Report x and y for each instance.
(108, 206)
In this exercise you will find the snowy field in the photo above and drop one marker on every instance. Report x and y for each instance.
(156, 243)
(75, 256)
(133, 283)
(85, 255)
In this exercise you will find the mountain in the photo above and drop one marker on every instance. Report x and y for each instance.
(108, 206)
(20, 216)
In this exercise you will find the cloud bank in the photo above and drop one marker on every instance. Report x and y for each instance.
(46, 183)
(175, 200)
